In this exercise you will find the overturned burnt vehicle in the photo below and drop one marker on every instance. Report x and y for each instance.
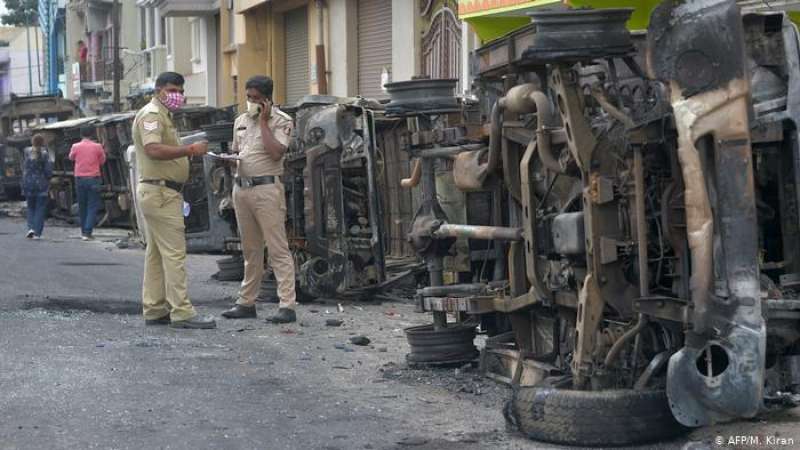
(18, 118)
(643, 271)
(113, 132)
(343, 218)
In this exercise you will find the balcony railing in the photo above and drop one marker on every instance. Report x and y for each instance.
(178, 8)
(155, 62)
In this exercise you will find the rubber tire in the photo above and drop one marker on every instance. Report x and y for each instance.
(592, 418)
(455, 344)
(230, 265)
(229, 275)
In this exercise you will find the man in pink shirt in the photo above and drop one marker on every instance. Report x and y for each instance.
(88, 156)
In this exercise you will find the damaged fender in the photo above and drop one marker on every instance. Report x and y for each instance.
(697, 48)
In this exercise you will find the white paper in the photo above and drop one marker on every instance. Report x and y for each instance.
(227, 156)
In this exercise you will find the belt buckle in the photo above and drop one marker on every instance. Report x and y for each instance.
(246, 182)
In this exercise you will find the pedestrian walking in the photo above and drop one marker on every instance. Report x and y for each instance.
(88, 156)
(163, 166)
(261, 136)
(36, 172)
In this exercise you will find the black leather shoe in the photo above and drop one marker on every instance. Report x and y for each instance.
(160, 321)
(241, 312)
(197, 322)
(285, 315)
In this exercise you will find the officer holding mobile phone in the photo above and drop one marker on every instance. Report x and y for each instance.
(261, 136)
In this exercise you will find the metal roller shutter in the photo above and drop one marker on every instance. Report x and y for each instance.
(374, 45)
(296, 23)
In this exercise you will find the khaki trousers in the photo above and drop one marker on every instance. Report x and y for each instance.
(261, 216)
(164, 286)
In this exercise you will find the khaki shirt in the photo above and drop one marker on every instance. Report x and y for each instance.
(153, 125)
(255, 162)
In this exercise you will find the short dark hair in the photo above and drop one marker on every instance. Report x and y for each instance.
(169, 78)
(80, 41)
(37, 140)
(87, 132)
(261, 84)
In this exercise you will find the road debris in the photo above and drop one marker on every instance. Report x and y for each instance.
(334, 322)
(360, 340)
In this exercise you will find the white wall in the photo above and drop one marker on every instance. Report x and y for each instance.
(405, 40)
(18, 67)
(343, 32)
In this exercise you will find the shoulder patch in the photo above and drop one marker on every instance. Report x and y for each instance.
(150, 125)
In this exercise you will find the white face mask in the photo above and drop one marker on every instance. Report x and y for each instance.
(253, 109)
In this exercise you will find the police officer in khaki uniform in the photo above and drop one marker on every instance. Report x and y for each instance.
(163, 166)
(261, 136)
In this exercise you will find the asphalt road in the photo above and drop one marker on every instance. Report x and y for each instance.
(79, 370)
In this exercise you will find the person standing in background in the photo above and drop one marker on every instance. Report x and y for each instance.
(88, 156)
(83, 58)
(36, 173)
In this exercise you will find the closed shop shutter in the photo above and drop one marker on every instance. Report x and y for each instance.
(296, 23)
(374, 45)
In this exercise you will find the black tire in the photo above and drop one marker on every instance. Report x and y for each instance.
(230, 265)
(229, 275)
(229, 259)
(452, 345)
(302, 296)
(592, 418)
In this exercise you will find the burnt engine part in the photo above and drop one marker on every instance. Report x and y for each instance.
(569, 237)
(322, 277)
(579, 35)
(451, 345)
(422, 95)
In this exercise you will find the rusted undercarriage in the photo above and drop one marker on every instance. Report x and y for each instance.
(643, 220)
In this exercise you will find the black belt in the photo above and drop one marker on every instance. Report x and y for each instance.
(174, 185)
(247, 182)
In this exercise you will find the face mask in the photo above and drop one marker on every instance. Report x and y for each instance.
(173, 100)
(253, 109)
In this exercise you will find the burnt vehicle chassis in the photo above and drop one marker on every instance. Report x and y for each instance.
(114, 133)
(17, 120)
(649, 198)
(339, 224)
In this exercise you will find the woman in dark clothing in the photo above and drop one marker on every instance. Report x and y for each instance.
(36, 174)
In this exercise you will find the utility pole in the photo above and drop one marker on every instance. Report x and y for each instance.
(28, 36)
(117, 65)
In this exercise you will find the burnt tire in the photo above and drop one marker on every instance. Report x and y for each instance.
(231, 264)
(229, 275)
(451, 345)
(592, 418)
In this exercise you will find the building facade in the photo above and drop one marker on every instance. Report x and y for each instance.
(343, 48)
(52, 15)
(183, 37)
(25, 70)
(340, 47)
(91, 79)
